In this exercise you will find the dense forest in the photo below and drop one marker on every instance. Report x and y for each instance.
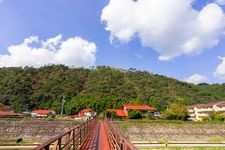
(97, 88)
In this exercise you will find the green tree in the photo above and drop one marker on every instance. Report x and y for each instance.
(134, 114)
(97, 88)
(176, 112)
(110, 114)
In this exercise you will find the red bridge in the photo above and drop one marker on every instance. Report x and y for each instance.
(90, 135)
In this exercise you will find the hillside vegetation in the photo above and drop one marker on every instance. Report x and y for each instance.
(98, 88)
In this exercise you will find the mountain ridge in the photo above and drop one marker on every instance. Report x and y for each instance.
(98, 88)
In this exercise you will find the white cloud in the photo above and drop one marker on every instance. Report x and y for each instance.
(220, 2)
(169, 30)
(196, 79)
(220, 70)
(74, 51)
(139, 56)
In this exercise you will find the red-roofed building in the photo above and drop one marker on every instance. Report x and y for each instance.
(119, 112)
(42, 113)
(138, 107)
(6, 114)
(87, 113)
(144, 109)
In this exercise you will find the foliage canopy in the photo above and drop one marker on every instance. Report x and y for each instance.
(97, 88)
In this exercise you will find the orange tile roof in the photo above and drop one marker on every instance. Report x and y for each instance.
(43, 112)
(119, 112)
(8, 113)
(86, 110)
(138, 107)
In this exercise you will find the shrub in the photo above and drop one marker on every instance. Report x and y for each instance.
(150, 116)
(206, 118)
(217, 116)
(134, 114)
(176, 111)
(101, 116)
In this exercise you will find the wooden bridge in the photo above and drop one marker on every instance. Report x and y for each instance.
(90, 135)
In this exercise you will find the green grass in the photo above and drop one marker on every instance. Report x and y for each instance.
(163, 141)
(215, 140)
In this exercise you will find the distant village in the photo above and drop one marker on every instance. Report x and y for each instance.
(85, 113)
(196, 112)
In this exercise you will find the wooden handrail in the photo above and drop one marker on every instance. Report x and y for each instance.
(70, 139)
(116, 140)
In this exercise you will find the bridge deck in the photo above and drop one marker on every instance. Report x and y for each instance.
(103, 141)
(90, 135)
(97, 139)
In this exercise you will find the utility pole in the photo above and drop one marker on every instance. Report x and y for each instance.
(63, 101)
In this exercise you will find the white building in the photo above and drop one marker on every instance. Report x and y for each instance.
(42, 113)
(87, 113)
(198, 111)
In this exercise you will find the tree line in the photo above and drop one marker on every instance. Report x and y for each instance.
(98, 88)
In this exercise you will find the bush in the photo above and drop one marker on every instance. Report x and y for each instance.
(217, 116)
(134, 114)
(220, 117)
(150, 116)
(206, 119)
(176, 111)
(101, 116)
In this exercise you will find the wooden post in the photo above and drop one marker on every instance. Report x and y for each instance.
(56, 145)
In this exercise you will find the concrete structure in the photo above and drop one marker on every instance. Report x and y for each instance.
(198, 111)
(43, 113)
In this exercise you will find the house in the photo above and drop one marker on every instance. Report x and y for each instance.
(11, 114)
(43, 113)
(119, 112)
(198, 111)
(144, 109)
(87, 113)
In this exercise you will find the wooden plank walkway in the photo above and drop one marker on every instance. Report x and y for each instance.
(90, 135)
(103, 143)
(97, 140)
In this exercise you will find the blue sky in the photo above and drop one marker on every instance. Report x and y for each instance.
(83, 26)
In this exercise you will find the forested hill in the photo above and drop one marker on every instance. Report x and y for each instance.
(99, 88)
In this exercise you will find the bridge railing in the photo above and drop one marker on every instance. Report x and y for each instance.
(71, 139)
(116, 140)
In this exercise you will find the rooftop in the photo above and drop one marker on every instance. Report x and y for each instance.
(119, 112)
(8, 113)
(138, 107)
(86, 110)
(210, 104)
(43, 112)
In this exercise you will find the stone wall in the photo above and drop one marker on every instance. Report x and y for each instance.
(184, 131)
(32, 131)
